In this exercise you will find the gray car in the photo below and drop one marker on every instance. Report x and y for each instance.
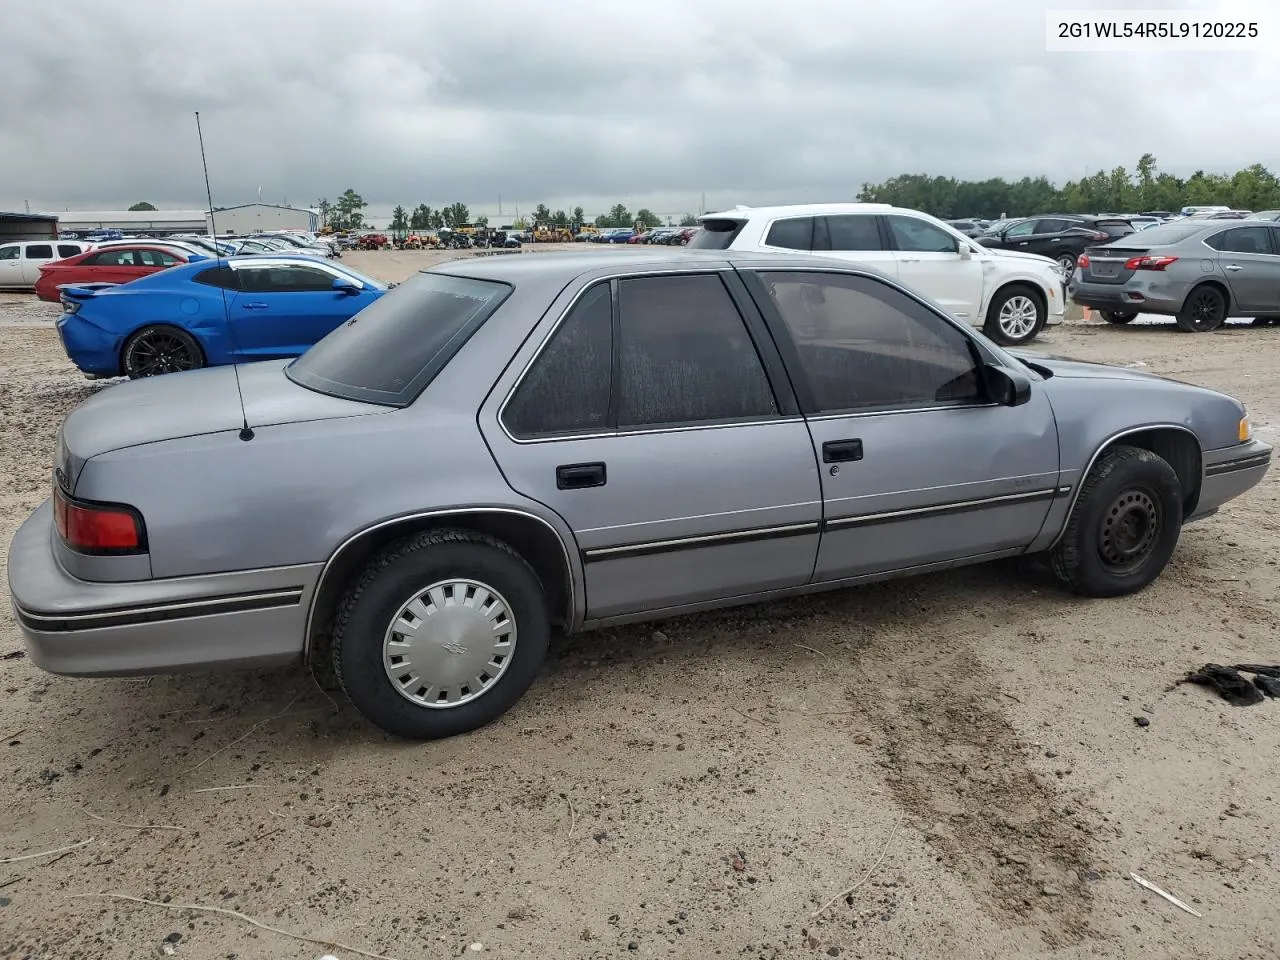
(1199, 271)
(500, 450)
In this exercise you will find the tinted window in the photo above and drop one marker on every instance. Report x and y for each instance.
(1051, 225)
(864, 344)
(685, 355)
(10, 253)
(1242, 240)
(286, 278)
(567, 388)
(68, 250)
(920, 236)
(1114, 228)
(393, 348)
(112, 258)
(854, 232)
(222, 276)
(716, 234)
(39, 251)
(795, 233)
(1023, 229)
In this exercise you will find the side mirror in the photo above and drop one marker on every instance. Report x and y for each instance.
(963, 248)
(1007, 386)
(196, 258)
(342, 285)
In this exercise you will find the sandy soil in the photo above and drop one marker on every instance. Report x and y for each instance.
(963, 747)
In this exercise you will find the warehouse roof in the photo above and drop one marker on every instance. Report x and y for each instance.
(129, 216)
(41, 217)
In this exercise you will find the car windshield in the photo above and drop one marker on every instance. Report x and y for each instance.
(391, 350)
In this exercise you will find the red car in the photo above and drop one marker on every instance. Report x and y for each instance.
(115, 264)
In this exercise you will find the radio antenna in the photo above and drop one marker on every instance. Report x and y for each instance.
(246, 432)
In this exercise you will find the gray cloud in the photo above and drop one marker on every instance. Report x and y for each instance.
(579, 102)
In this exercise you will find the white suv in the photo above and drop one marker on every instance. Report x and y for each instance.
(1009, 294)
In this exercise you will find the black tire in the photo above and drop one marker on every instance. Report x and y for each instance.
(1096, 556)
(1112, 316)
(1204, 310)
(159, 349)
(993, 328)
(370, 606)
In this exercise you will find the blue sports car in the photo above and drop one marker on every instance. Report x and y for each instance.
(210, 312)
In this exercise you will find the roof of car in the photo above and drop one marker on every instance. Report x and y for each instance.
(799, 210)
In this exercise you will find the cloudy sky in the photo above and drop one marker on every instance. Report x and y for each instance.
(581, 102)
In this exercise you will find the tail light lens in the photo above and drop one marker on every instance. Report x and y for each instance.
(101, 529)
(1082, 262)
(1148, 263)
(1099, 235)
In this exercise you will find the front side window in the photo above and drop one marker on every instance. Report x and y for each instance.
(862, 344)
(40, 251)
(1023, 229)
(567, 389)
(919, 236)
(854, 232)
(794, 233)
(10, 253)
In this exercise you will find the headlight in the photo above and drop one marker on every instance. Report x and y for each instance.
(1245, 430)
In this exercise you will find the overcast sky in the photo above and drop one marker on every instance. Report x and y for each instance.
(583, 102)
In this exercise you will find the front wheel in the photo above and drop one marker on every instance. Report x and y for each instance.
(441, 634)
(1204, 310)
(1015, 316)
(1066, 263)
(1112, 316)
(156, 350)
(1124, 526)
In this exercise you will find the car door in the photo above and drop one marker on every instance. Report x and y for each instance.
(657, 421)
(1252, 268)
(113, 265)
(283, 307)
(1049, 236)
(34, 256)
(858, 238)
(11, 265)
(931, 260)
(917, 466)
(1015, 237)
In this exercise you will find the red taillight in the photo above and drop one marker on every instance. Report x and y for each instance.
(1082, 262)
(1099, 235)
(97, 528)
(1148, 263)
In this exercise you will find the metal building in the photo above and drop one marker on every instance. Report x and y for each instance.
(156, 223)
(256, 217)
(28, 226)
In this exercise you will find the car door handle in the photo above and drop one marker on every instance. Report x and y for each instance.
(909, 260)
(255, 305)
(841, 451)
(1234, 266)
(579, 476)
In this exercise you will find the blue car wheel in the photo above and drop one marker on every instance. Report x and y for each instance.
(159, 349)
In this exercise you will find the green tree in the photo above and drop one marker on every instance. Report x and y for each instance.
(578, 216)
(399, 219)
(542, 213)
(142, 205)
(482, 221)
(455, 215)
(420, 218)
(437, 220)
(326, 210)
(689, 220)
(619, 216)
(560, 219)
(649, 218)
(348, 211)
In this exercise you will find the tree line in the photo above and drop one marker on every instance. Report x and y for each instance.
(347, 213)
(1118, 191)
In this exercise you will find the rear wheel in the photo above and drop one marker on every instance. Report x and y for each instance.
(1112, 317)
(441, 634)
(160, 349)
(1066, 263)
(1124, 526)
(1204, 310)
(1015, 316)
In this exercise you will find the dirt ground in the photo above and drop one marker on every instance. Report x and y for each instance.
(962, 749)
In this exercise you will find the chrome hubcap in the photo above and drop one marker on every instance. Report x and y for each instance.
(449, 644)
(1018, 316)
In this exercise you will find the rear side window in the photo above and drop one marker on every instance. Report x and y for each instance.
(1242, 240)
(854, 232)
(567, 389)
(223, 277)
(716, 234)
(39, 251)
(794, 233)
(393, 348)
(68, 250)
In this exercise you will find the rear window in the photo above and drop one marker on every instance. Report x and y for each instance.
(716, 234)
(1115, 228)
(393, 348)
(1167, 233)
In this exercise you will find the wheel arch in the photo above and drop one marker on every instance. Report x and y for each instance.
(1026, 283)
(533, 537)
(126, 339)
(1174, 443)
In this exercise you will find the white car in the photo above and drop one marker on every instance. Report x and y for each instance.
(20, 261)
(1009, 294)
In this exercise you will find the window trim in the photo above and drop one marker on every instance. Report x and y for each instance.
(1273, 241)
(791, 356)
(758, 332)
(768, 229)
(26, 250)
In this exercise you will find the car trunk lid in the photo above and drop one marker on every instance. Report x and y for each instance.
(1107, 263)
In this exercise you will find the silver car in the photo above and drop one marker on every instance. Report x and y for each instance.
(1199, 271)
(502, 449)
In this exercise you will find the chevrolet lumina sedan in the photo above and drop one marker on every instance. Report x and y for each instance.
(498, 451)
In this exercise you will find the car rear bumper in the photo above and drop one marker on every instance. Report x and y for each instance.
(1229, 472)
(82, 628)
(1130, 297)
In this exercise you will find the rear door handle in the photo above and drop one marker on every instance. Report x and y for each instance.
(253, 306)
(579, 476)
(1234, 266)
(841, 451)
